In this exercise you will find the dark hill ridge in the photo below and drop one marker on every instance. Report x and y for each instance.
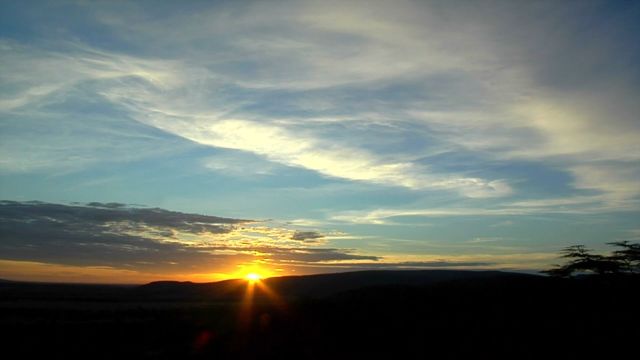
(287, 287)
(321, 285)
(187, 290)
(432, 314)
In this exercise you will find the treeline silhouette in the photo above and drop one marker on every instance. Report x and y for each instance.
(623, 261)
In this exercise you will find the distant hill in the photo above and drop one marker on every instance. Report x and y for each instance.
(318, 286)
(22, 290)
(177, 290)
(286, 287)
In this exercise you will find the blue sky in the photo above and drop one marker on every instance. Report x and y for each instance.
(407, 134)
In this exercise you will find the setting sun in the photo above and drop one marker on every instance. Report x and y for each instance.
(253, 277)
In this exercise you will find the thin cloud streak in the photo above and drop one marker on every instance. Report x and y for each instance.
(524, 208)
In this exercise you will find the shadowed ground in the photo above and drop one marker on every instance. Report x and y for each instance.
(416, 314)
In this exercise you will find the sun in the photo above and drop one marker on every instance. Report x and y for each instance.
(253, 277)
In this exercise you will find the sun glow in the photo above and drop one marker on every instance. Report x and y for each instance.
(253, 276)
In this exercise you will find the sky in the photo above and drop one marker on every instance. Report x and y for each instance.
(200, 140)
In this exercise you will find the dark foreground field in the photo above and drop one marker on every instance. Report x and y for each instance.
(380, 314)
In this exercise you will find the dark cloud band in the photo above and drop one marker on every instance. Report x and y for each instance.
(120, 236)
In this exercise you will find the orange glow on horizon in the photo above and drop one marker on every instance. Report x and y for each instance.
(252, 276)
(254, 271)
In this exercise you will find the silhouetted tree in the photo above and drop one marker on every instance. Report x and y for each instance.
(625, 260)
(628, 256)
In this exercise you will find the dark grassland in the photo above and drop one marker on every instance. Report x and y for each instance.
(378, 314)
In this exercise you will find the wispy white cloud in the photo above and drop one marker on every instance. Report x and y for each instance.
(472, 89)
(172, 94)
(617, 182)
(34, 73)
(41, 127)
(568, 206)
(484, 239)
(324, 156)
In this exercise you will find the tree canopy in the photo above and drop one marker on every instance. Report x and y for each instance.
(624, 260)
